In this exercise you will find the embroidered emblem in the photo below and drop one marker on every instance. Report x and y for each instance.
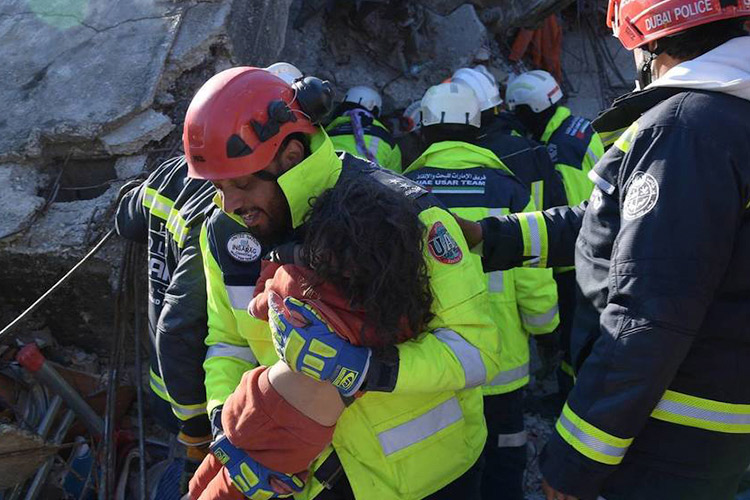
(243, 247)
(442, 246)
(641, 196)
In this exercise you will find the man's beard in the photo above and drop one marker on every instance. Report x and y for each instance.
(279, 224)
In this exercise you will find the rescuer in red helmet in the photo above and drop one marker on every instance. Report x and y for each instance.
(418, 430)
(660, 340)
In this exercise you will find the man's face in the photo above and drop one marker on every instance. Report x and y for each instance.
(260, 202)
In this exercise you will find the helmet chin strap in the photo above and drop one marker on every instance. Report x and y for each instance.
(645, 74)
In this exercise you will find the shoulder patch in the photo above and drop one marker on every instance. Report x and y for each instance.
(442, 246)
(640, 196)
(243, 247)
(577, 127)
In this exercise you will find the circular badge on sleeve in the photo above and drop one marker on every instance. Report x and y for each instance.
(442, 246)
(243, 247)
(641, 196)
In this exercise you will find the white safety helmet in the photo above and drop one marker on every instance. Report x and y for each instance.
(451, 102)
(366, 97)
(412, 112)
(286, 71)
(483, 69)
(537, 89)
(483, 85)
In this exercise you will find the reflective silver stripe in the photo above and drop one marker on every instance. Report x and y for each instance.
(231, 351)
(402, 436)
(240, 296)
(533, 262)
(534, 236)
(156, 381)
(512, 440)
(702, 413)
(158, 205)
(148, 198)
(468, 355)
(186, 413)
(601, 183)
(536, 190)
(539, 319)
(590, 441)
(496, 212)
(509, 376)
(592, 156)
(496, 281)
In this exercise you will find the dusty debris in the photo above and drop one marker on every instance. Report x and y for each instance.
(21, 454)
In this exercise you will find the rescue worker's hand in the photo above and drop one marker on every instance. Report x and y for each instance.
(251, 478)
(307, 344)
(552, 494)
(472, 231)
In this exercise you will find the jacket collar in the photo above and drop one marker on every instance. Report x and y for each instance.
(456, 155)
(554, 123)
(309, 178)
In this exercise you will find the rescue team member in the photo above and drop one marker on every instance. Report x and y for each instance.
(574, 147)
(527, 159)
(356, 130)
(365, 303)
(418, 431)
(474, 184)
(166, 212)
(661, 406)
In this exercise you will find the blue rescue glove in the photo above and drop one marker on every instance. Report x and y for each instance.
(309, 345)
(248, 476)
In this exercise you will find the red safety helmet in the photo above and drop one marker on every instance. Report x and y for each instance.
(637, 22)
(237, 121)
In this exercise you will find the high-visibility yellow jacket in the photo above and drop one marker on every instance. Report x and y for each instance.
(377, 139)
(473, 183)
(429, 429)
(575, 148)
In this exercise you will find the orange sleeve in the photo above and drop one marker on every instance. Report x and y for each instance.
(257, 419)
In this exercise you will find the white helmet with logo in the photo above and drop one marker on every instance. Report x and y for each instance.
(366, 97)
(537, 89)
(482, 83)
(286, 71)
(451, 102)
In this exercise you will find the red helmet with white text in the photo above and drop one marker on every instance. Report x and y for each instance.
(637, 22)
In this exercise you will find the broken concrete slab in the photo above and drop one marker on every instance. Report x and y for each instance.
(71, 78)
(258, 31)
(203, 26)
(137, 132)
(447, 43)
(128, 167)
(459, 37)
(19, 202)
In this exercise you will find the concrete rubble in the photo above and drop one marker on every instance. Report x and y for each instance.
(92, 88)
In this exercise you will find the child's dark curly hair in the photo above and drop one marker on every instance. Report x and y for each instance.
(368, 241)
